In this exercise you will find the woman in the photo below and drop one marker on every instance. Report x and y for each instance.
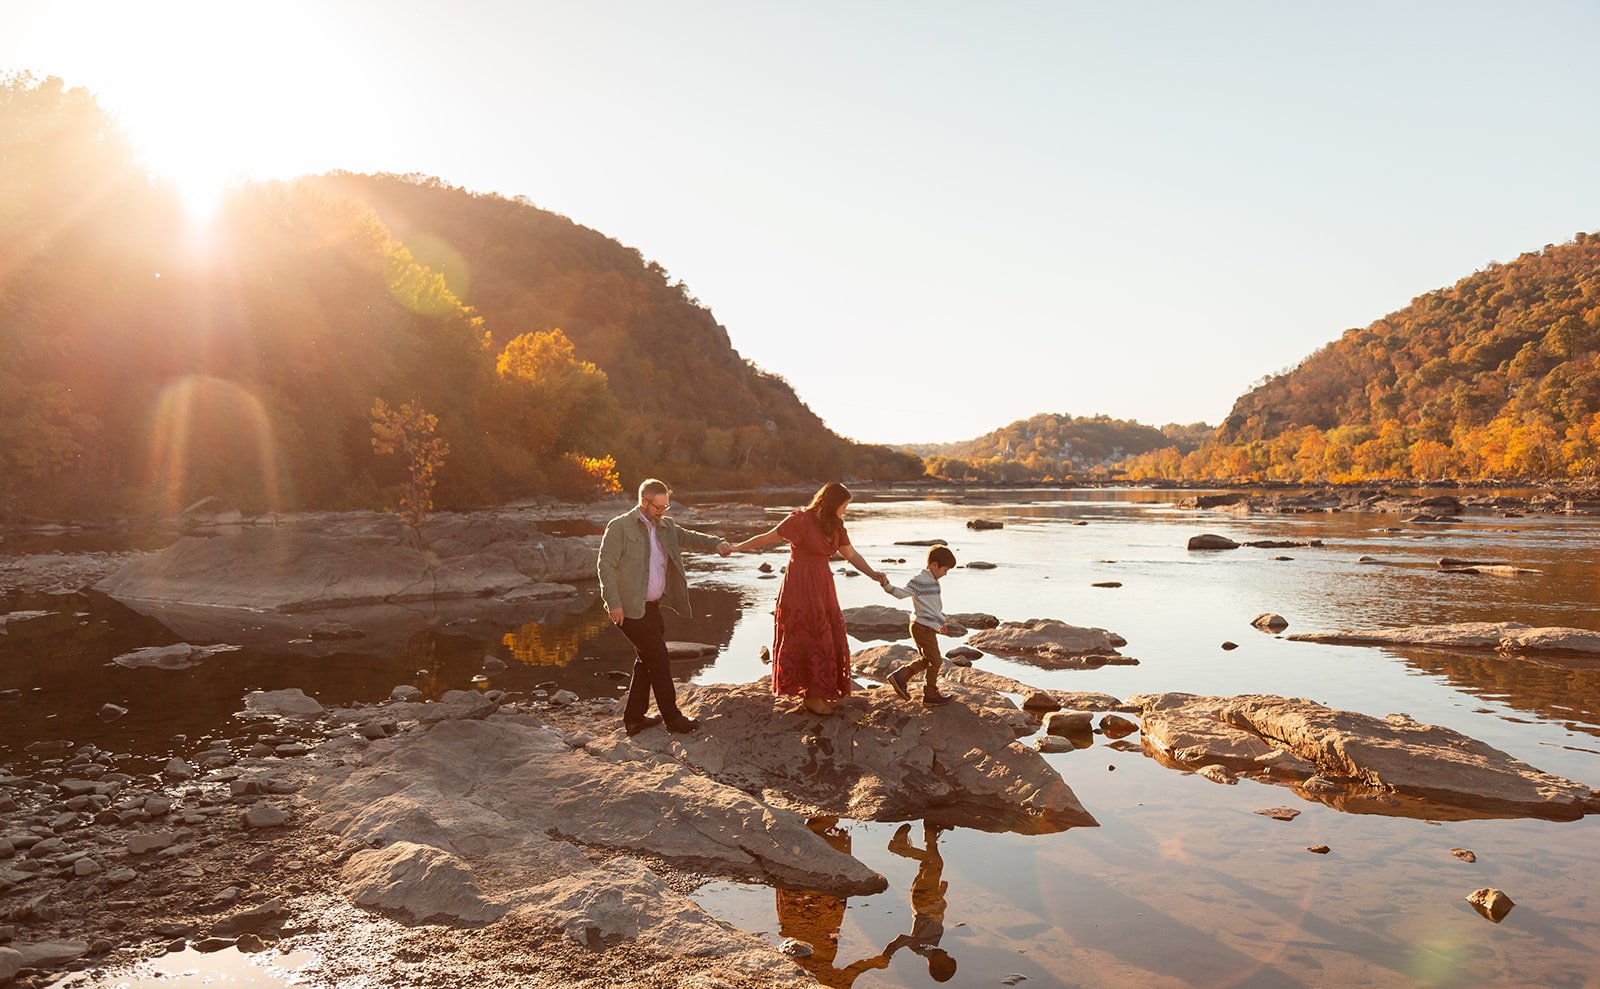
(810, 655)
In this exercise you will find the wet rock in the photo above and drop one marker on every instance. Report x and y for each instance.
(983, 525)
(250, 943)
(493, 665)
(1318, 849)
(791, 948)
(1041, 701)
(419, 881)
(765, 568)
(1279, 813)
(265, 815)
(963, 653)
(178, 656)
(980, 565)
(1270, 622)
(177, 769)
(1047, 642)
(1229, 646)
(111, 712)
(562, 698)
(1064, 723)
(974, 619)
(209, 945)
(922, 542)
(1116, 726)
(47, 748)
(377, 729)
(405, 693)
(877, 621)
(1295, 736)
(690, 650)
(1054, 743)
(1505, 637)
(1218, 774)
(1107, 583)
(1211, 541)
(1491, 903)
(291, 702)
(1464, 854)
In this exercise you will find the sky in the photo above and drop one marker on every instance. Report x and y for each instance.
(932, 218)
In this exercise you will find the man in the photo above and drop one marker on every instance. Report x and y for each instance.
(641, 572)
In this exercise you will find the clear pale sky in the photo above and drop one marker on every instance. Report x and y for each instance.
(1130, 208)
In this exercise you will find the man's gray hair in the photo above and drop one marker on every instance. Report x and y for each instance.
(651, 486)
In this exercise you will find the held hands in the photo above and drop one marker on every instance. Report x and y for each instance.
(615, 615)
(883, 580)
(724, 548)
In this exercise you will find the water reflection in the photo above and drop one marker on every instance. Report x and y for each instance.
(817, 919)
(1543, 686)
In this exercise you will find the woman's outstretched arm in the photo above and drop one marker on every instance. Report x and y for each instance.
(761, 542)
(850, 554)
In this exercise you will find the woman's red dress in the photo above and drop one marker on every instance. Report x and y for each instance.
(810, 654)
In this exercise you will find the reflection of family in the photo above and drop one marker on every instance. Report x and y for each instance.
(641, 572)
(818, 918)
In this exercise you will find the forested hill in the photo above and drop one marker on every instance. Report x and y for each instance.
(272, 356)
(1051, 447)
(693, 408)
(1497, 376)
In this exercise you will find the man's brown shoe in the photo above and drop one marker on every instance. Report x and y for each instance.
(683, 726)
(936, 700)
(635, 727)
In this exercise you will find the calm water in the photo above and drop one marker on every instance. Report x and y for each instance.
(1182, 885)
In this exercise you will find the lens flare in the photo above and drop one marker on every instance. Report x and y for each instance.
(211, 436)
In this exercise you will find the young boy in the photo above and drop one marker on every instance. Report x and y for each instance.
(927, 622)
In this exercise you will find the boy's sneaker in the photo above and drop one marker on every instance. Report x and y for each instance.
(936, 700)
(897, 682)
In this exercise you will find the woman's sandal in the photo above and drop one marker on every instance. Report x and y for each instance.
(819, 707)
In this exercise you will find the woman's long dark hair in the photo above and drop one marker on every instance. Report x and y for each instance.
(825, 505)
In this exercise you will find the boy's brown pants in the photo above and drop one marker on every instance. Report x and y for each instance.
(927, 641)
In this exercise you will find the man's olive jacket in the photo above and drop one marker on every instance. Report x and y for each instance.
(625, 562)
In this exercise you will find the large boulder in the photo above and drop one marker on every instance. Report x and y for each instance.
(1295, 737)
(878, 662)
(883, 759)
(419, 881)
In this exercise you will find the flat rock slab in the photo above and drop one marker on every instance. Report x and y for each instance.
(1510, 638)
(877, 621)
(1255, 732)
(879, 759)
(353, 559)
(179, 656)
(480, 788)
(1049, 643)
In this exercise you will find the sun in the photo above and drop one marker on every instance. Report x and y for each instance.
(200, 185)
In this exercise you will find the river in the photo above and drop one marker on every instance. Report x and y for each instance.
(1182, 884)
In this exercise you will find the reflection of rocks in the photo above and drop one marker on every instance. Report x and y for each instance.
(1511, 638)
(60, 573)
(883, 760)
(1053, 644)
(1293, 737)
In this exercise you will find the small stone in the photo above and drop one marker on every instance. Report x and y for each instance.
(980, 565)
(1107, 583)
(265, 915)
(210, 944)
(493, 664)
(177, 769)
(1054, 743)
(406, 693)
(250, 943)
(118, 877)
(1013, 979)
(1464, 854)
(1491, 902)
(111, 712)
(374, 730)
(1041, 700)
(765, 568)
(1269, 622)
(1218, 774)
(1279, 813)
(562, 698)
(1069, 723)
(85, 867)
(292, 749)
(10, 964)
(157, 805)
(1229, 646)
(265, 816)
(141, 844)
(795, 949)
(1211, 540)
(1116, 726)
(1318, 849)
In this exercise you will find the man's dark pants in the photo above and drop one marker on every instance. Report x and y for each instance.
(652, 670)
